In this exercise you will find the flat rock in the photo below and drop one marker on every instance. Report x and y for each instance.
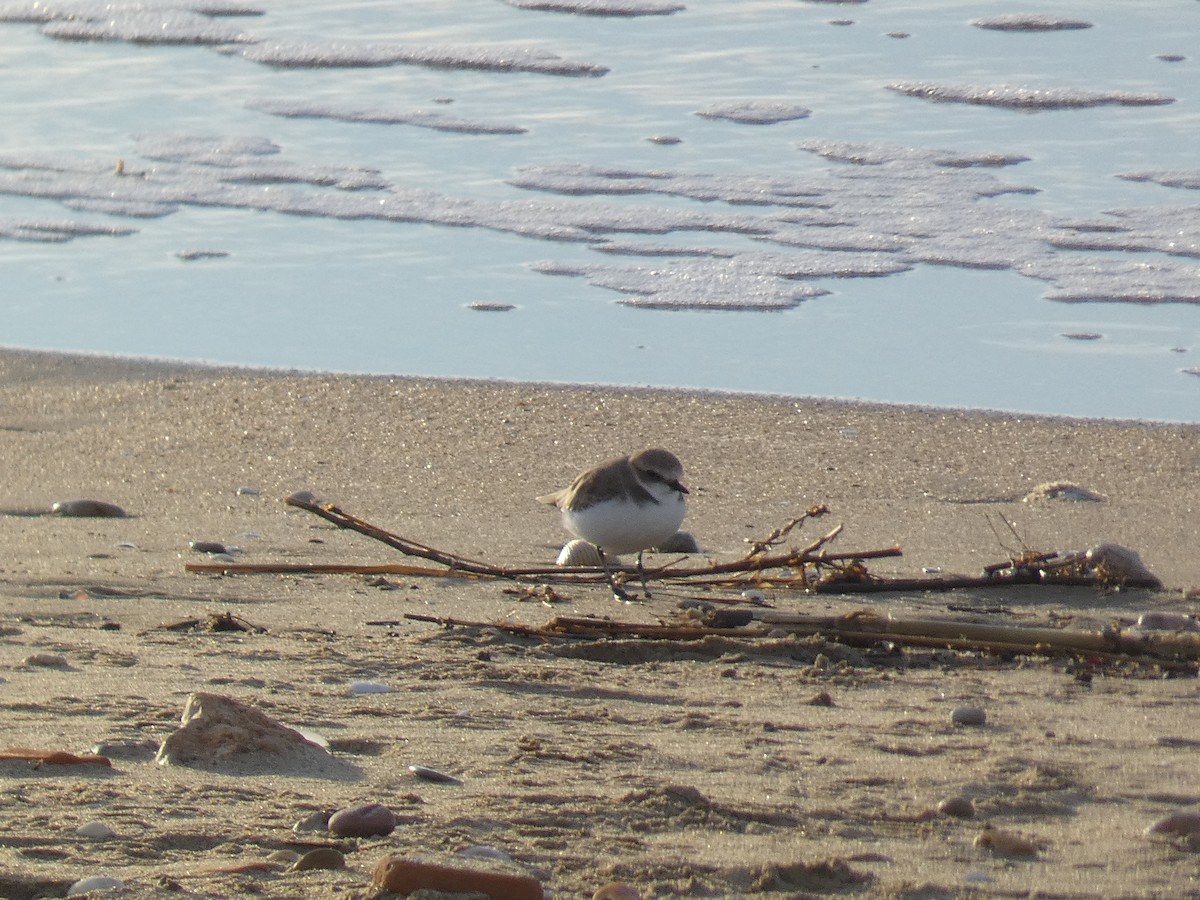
(224, 734)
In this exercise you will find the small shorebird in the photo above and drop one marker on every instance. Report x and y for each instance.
(627, 504)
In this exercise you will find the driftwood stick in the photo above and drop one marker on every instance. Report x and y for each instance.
(1170, 650)
(343, 519)
(867, 624)
(314, 569)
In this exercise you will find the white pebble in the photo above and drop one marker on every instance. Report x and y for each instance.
(94, 883)
(369, 687)
(482, 852)
(96, 830)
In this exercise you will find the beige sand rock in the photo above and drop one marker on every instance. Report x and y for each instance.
(222, 733)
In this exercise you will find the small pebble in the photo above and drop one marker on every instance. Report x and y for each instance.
(369, 687)
(365, 820)
(1160, 621)
(958, 807)
(94, 509)
(248, 492)
(679, 542)
(95, 830)
(301, 497)
(1005, 843)
(208, 547)
(428, 774)
(283, 856)
(46, 661)
(754, 596)
(968, 715)
(318, 821)
(94, 883)
(320, 858)
(617, 890)
(665, 139)
(1177, 824)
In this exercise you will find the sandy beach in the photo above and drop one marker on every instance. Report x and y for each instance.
(723, 766)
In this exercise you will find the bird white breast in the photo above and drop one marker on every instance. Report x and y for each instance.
(622, 526)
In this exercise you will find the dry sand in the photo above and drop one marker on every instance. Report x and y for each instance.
(682, 768)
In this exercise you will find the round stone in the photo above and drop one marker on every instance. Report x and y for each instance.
(320, 858)
(968, 715)
(958, 807)
(365, 820)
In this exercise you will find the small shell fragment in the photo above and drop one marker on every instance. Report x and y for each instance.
(318, 821)
(95, 830)
(94, 883)
(1063, 490)
(1005, 843)
(428, 774)
(368, 687)
(480, 851)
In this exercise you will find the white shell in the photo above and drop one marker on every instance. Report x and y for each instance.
(95, 883)
(578, 553)
(96, 830)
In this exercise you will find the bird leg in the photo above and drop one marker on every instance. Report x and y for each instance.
(619, 593)
(642, 575)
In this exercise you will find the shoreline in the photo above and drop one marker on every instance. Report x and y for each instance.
(84, 364)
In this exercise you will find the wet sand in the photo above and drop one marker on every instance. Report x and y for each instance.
(685, 768)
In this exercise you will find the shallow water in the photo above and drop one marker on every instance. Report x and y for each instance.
(352, 246)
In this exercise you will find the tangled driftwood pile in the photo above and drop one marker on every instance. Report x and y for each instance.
(1173, 644)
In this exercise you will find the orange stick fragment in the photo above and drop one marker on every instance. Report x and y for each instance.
(55, 757)
(403, 876)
